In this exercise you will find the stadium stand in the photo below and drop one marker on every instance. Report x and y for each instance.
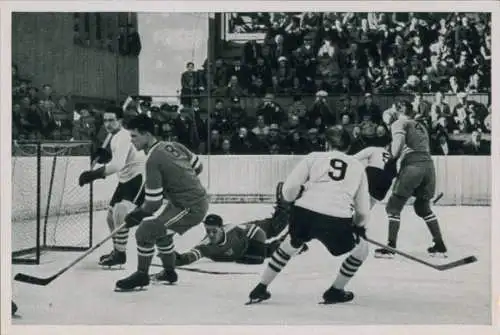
(311, 70)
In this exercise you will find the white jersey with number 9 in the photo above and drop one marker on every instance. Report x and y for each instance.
(335, 184)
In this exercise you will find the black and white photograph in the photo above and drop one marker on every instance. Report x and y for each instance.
(326, 166)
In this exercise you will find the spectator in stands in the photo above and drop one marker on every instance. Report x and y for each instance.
(215, 143)
(296, 144)
(244, 142)
(226, 147)
(241, 72)
(219, 75)
(272, 111)
(258, 88)
(476, 145)
(321, 108)
(234, 89)
(200, 120)
(261, 70)
(133, 41)
(237, 114)
(219, 119)
(84, 126)
(298, 107)
(369, 111)
(261, 129)
(251, 52)
(191, 84)
(314, 142)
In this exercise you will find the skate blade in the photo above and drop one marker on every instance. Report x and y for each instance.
(384, 256)
(255, 301)
(136, 289)
(333, 302)
(438, 255)
(112, 267)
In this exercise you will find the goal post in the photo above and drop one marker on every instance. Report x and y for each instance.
(50, 211)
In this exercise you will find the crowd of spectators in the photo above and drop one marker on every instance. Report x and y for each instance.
(353, 53)
(303, 55)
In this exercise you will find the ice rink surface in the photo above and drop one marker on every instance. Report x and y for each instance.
(396, 291)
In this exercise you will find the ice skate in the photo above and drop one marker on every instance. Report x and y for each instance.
(135, 280)
(334, 295)
(383, 253)
(114, 258)
(103, 257)
(166, 276)
(438, 250)
(258, 294)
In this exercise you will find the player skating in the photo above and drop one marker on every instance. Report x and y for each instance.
(175, 202)
(417, 177)
(127, 162)
(335, 184)
(380, 169)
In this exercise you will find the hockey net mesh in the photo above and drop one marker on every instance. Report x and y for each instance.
(64, 219)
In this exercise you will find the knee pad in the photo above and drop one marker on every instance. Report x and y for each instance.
(395, 205)
(422, 208)
(120, 211)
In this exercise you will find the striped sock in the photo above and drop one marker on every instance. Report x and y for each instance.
(166, 254)
(351, 265)
(145, 255)
(394, 221)
(120, 240)
(278, 261)
(433, 225)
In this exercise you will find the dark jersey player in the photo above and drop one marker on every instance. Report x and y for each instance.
(246, 243)
(417, 177)
(175, 202)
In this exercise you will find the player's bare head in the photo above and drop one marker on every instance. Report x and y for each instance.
(338, 138)
(406, 108)
(112, 119)
(142, 130)
(213, 227)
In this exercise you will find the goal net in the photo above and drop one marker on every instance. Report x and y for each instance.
(50, 211)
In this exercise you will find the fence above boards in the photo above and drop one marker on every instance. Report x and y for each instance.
(464, 180)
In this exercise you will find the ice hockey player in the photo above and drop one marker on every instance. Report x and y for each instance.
(334, 208)
(380, 169)
(417, 177)
(175, 202)
(245, 244)
(127, 162)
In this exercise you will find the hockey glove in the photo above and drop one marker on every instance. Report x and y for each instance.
(89, 176)
(135, 217)
(359, 232)
(255, 254)
(102, 156)
(391, 168)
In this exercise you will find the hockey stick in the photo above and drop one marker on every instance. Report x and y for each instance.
(441, 267)
(103, 146)
(440, 195)
(45, 281)
(209, 271)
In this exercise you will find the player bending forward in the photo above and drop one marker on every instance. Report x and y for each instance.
(335, 183)
(128, 163)
(380, 170)
(417, 177)
(175, 202)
